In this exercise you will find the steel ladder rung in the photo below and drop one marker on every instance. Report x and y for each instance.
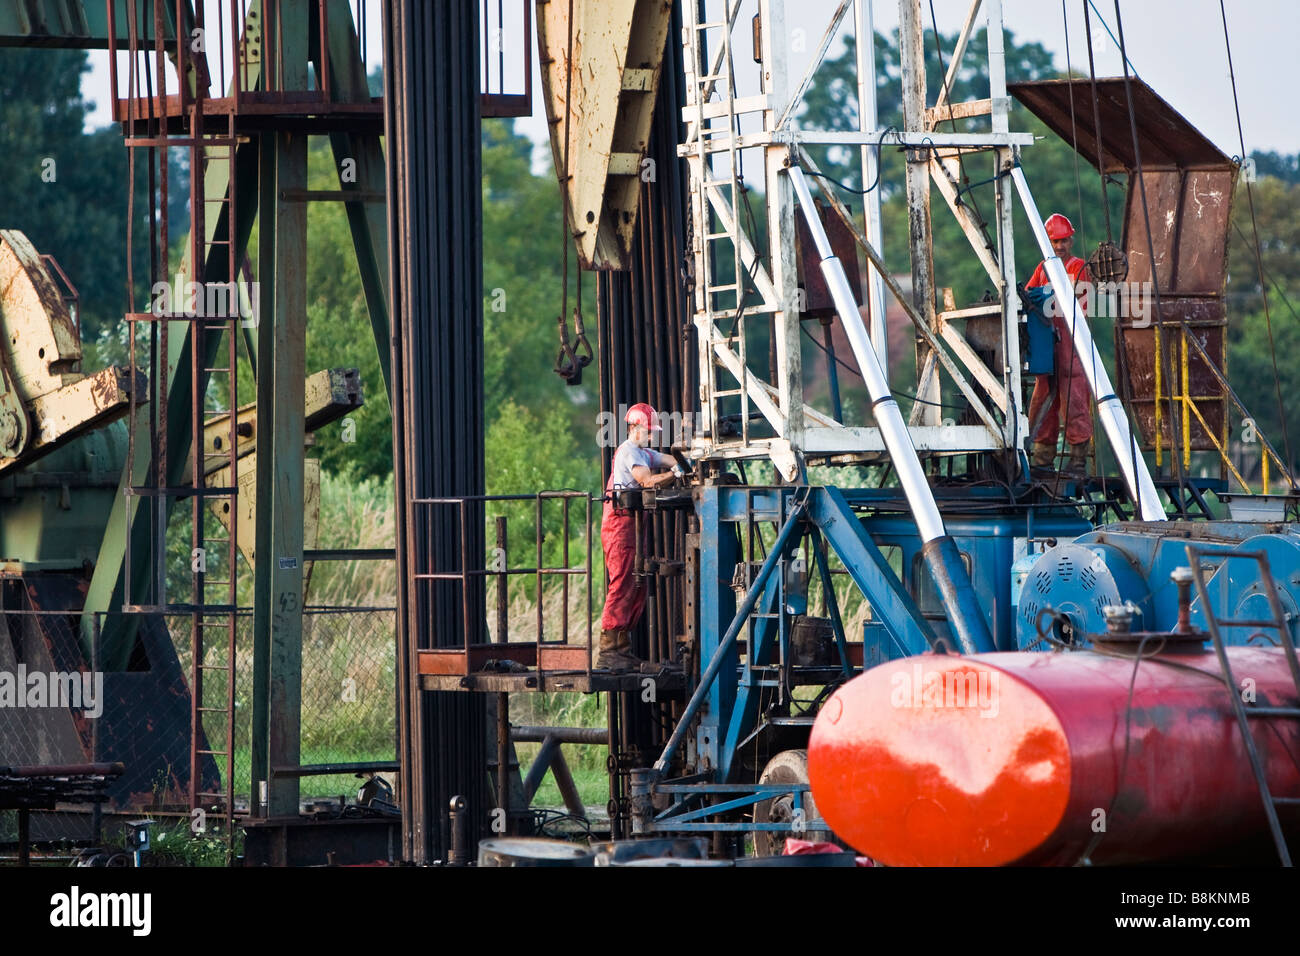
(1242, 711)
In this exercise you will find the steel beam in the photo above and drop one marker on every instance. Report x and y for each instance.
(781, 224)
(282, 336)
(926, 410)
(871, 218)
(890, 603)
(78, 24)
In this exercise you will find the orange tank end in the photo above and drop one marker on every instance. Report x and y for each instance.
(940, 761)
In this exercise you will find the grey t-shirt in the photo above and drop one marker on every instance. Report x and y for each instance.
(629, 455)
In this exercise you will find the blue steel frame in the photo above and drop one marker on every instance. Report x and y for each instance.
(683, 816)
(727, 696)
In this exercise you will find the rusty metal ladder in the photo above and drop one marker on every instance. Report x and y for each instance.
(1246, 712)
(214, 623)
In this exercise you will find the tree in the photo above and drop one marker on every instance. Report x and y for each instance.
(67, 189)
(1060, 179)
(1254, 353)
(1279, 165)
(522, 276)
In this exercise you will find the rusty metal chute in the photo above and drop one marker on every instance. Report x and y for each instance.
(1189, 186)
(599, 76)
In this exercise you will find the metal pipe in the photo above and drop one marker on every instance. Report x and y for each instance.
(1109, 409)
(565, 735)
(537, 770)
(503, 755)
(888, 417)
(568, 789)
(459, 832)
(952, 579)
(742, 614)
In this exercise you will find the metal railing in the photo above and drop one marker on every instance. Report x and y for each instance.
(474, 572)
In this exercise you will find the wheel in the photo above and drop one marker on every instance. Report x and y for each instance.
(789, 766)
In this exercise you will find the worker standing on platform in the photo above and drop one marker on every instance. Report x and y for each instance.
(1065, 391)
(634, 466)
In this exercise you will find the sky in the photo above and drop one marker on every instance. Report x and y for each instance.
(1177, 46)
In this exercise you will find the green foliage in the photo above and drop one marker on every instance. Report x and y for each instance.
(354, 514)
(528, 452)
(174, 844)
(522, 289)
(1259, 366)
(66, 189)
(339, 334)
(1277, 165)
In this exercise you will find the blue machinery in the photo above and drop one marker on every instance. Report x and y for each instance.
(752, 650)
(1043, 575)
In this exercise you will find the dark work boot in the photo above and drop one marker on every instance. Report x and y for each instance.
(1078, 463)
(1042, 460)
(616, 653)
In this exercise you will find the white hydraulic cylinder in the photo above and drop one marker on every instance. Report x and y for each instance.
(893, 430)
(1113, 420)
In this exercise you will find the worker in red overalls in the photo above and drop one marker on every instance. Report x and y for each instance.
(1065, 392)
(634, 466)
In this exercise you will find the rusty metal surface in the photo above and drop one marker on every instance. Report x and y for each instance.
(306, 842)
(60, 416)
(145, 721)
(1165, 138)
(1190, 214)
(1204, 319)
(601, 66)
(817, 298)
(1188, 183)
(41, 340)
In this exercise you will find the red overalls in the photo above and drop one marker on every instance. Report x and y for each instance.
(1069, 377)
(625, 598)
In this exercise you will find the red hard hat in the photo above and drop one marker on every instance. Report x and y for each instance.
(643, 414)
(1058, 227)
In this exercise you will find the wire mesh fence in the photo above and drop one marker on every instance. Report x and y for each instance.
(347, 692)
(57, 707)
(142, 715)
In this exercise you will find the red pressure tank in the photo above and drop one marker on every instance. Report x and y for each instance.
(1039, 758)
